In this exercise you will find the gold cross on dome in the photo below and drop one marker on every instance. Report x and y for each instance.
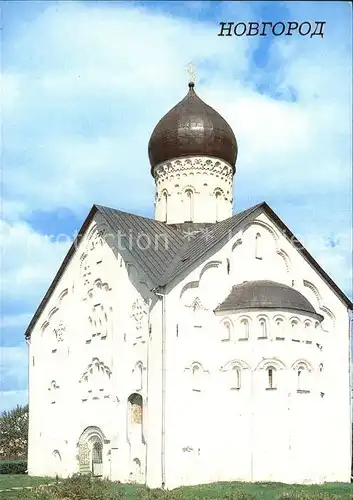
(192, 72)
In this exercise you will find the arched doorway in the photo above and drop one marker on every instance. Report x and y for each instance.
(90, 452)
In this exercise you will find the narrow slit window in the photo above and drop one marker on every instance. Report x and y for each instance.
(258, 246)
(271, 378)
(189, 205)
(164, 206)
(263, 329)
(218, 200)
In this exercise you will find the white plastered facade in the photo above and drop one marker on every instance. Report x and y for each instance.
(194, 189)
(164, 391)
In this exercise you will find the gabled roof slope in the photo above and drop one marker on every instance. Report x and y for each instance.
(151, 243)
(164, 263)
(203, 243)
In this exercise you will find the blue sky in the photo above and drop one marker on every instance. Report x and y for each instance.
(83, 85)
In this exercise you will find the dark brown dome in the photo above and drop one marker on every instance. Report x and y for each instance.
(192, 128)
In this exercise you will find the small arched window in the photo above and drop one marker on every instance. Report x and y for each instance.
(244, 329)
(263, 328)
(279, 326)
(226, 330)
(164, 206)
(136, 408)
(258, 246)
(189, 198)
(236, 377)
(196, 377)
(218, 197)
(303, 379)
(271, 377)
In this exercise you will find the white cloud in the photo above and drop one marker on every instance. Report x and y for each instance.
(29, 260)
(13, 375)
(15, 320)
(91, 88)
(83, 85)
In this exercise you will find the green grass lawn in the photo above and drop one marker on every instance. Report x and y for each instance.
(269, 491)
(16, 480)
(217, 491)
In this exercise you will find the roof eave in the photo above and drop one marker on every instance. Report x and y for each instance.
(300, 247)
(58, 275)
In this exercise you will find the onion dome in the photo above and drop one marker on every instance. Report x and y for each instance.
(267, 295)
(192, 128)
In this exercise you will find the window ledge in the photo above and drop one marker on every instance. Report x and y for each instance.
(279, 338)
(235, 388)
(303, 391)
(243, 339)
(262, 338)
(271, 388)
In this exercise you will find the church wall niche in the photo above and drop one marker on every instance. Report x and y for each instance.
(100, 311)
(57, 464)
(92, 256)
(53, 392)
(187, 293)
(226, 329)
(196, 375)
(136, 474)
(139, 315)
(135, 417)
(236, 261)
(237, 374)
(92, 287)
(304, 378)
(270, 375)
(138, 374)
(263, 326)
(53, 329)
(313, 295)
(266, 259)
(244, 324)
(211, 273)
(95, 382)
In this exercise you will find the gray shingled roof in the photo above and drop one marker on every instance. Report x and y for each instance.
(185, 248)
(265, 294)
(155, 259)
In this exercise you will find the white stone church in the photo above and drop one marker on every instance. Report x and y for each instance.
(196, 347)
